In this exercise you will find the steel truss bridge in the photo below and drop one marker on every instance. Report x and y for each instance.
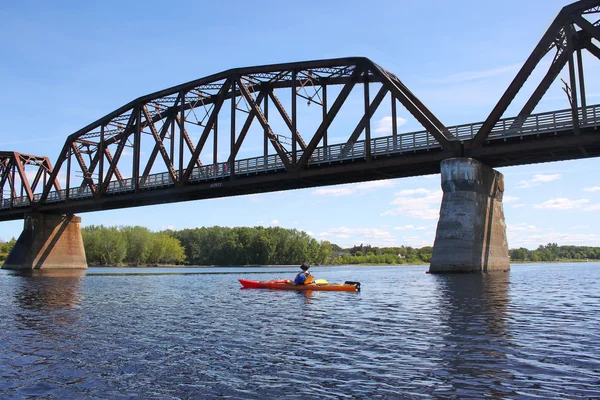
(185, 142)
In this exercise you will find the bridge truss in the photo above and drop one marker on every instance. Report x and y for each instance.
(192, 141)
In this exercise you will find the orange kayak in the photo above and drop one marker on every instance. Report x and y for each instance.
(287, 284)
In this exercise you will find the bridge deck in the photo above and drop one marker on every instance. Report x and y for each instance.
(542, 125)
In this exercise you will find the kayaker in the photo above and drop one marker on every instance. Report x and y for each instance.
(304, 277)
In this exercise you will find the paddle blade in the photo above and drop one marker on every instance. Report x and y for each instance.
(321, 282)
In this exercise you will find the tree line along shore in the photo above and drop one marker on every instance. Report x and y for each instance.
(223, 246)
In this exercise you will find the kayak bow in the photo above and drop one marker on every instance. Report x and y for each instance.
(287, 284)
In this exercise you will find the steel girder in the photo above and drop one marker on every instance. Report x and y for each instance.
(563, 37)
(13, 172)
(165, 117)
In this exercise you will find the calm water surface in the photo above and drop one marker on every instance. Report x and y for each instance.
(150, 333)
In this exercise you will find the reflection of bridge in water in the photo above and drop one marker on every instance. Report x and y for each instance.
(99, 174)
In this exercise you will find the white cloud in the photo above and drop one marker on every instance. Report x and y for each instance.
(372, 236)
(522, 227)
(410, 192)
(561, 204)
(508, 199)
(417, 203)
(563, 239)
(579, 227)
(592, 189)
(345, 190)
(417, 241)
(275, 222)
(537, 179)
(410, 227)
(384, 125)
(341, 191)
(592, 207)
(519, 205)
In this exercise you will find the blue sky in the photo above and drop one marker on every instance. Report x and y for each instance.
(67, 63)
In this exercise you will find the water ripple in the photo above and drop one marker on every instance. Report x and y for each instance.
(530, 333)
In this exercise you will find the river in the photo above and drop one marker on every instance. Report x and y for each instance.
(188, 333)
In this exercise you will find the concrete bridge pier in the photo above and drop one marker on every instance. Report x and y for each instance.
(471, 232)
(48, 241)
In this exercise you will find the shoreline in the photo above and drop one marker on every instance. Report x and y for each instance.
(324, 265)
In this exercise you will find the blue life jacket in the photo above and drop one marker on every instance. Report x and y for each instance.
(300, 278)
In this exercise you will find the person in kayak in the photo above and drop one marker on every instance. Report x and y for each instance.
(304, 277)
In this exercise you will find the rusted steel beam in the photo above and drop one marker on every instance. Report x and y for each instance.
(363, 121)
(335, 78)
(5, 172)
(515, 86)
(113, 165)
(24, 181)
(207, 129)
(109, 158)
(335, 108)
(36, 179)
(249, 119)
(43, 167)
(414, 106)
(542, 88)
(287, 119)
(158, 138)
(186, 138)
(87, 179)
(265, 124)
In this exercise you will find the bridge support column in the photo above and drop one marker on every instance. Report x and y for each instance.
(471, 232)
(48, 241)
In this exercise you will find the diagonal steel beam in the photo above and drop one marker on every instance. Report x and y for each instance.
(540, 50)
(109, 158)
(158, 138)
(592, 48)
(113, 165)
(335, 108)
(5, 173)
(286, 118)
(246, 127)
(155, 149)
(587, 26)
(265, 124)
(363, 121)
(187, 139)
(87, 180)
(24, 180)
(209, 124)
(414, 106)
(11, 182)
(542, 88)
(37, 178)
(44, 167)
(112, 169)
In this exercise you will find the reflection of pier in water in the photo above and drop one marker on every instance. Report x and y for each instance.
(44, 294)
(475, 333)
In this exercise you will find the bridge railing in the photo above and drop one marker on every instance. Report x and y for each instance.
(536, 124)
